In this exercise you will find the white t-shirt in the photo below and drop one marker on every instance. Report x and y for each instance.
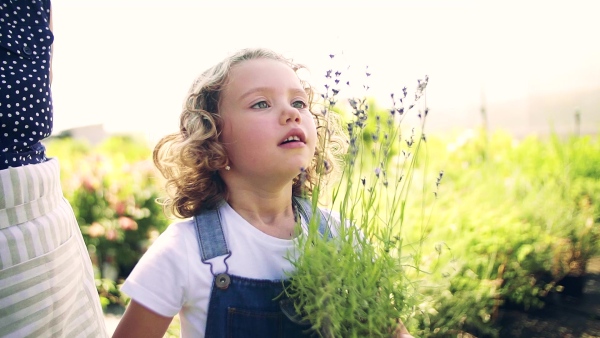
(171, 278)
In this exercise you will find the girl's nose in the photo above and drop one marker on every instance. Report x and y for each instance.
(290, 114)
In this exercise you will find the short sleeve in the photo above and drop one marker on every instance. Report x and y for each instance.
(159, 280)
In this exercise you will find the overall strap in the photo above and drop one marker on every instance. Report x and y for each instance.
(209, 233)
(306, 210)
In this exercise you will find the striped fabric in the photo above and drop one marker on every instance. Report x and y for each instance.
(46, 281)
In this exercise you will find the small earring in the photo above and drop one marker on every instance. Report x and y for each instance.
(227, 168)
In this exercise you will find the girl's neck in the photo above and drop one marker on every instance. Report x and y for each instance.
(270, 212)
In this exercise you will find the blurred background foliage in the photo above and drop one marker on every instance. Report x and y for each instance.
(514, 221)
(112, 188)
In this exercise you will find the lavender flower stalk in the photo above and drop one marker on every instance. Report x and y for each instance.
(356, 284)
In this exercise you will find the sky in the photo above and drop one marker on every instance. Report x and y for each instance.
(127, 64)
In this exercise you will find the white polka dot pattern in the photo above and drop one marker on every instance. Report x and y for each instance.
(25, 96)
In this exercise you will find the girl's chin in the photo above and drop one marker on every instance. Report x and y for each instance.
(293, 166)
(288, 169)
(289, 173)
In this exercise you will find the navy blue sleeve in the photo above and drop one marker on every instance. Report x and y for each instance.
(25, 95)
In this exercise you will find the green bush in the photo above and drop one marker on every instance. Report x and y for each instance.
(518, 217)
(112, 188)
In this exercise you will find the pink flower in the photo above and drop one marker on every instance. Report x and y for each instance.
(120, 209)
(87, 184)
(96, 230)
(111, 234)
(127, 223)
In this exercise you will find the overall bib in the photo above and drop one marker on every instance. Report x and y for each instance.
(243, 307)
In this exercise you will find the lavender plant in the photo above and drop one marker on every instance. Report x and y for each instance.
(357, 283)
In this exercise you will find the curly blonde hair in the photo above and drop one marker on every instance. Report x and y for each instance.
(190, 160)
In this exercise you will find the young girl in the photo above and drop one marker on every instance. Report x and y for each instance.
(246, 150)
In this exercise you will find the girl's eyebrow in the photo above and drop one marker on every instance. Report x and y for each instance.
(295, 91)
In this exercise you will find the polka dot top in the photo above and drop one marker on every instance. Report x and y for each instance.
(25, 97)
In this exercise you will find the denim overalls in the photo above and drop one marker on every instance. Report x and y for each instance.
(243, 307)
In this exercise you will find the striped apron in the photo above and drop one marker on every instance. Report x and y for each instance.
(47, 285)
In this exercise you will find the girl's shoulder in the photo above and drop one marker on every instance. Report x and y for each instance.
(179, 228)
(176, 237)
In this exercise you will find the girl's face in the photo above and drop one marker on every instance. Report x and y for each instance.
(268, 130)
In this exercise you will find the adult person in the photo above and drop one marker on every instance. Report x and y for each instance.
(46, 280)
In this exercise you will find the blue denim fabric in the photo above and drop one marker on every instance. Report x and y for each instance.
(250, 308)
(246, 307)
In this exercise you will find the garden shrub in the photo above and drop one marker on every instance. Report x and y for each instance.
(112, 188)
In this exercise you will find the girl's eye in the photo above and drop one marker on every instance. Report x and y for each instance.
(299, 104)
(260, 105)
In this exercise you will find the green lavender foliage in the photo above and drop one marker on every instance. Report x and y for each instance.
(356, 284)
